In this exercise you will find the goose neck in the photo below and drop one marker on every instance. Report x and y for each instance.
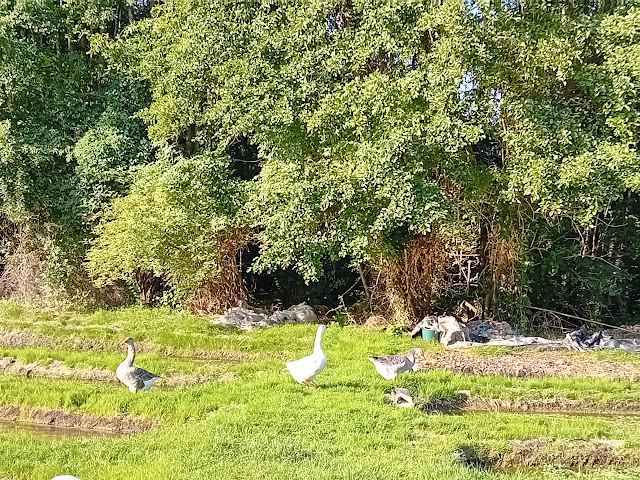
(132, 354)
(318, 344)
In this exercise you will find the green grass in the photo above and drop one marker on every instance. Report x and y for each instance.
(263, 424)
(161, 364)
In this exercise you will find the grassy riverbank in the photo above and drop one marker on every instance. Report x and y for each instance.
(257, 422)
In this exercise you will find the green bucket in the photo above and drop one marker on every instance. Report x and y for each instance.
(429, 334)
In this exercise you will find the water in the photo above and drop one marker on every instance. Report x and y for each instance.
(55, 432)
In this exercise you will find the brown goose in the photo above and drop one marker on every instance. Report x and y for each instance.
(393, 365)
(134, 377)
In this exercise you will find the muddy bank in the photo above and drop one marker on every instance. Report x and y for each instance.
(58, 418)
(529, 364)
(556, 406)
(54, 432)
(572, 454)
(57, 369)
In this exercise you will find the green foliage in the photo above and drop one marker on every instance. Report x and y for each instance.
(68, 138)
(106, 158)
(324, 209)
(366, 116)
(593, 277)
(347, 134)
(613, 81)
(171, 224)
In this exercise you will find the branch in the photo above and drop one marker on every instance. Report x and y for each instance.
(582, 319)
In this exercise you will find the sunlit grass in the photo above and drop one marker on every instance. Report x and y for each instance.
(264, 425)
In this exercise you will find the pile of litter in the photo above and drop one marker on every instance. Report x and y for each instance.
(247, 317)
(455, 334)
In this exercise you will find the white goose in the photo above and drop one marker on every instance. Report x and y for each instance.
(308, 368)
(393, 365)
(134, 377)
(65, 477)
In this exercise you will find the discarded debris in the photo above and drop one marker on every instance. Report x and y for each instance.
(474, 333)
(247, 317)
(451, 331)
(401, 397)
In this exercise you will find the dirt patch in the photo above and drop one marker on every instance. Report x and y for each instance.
(59, 418)
(557, 406)
(57, 369)
(529, 364)
(22, 339)
(54, 432)
(552, 406)
(572, 454)
(444, 405)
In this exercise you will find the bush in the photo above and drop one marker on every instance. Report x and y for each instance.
(174, 226)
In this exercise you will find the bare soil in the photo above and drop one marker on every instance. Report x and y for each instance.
(59, 418)
(552, 406)
(21, 339)
(57, 369)
(573, 454)
(556, 405)
(529, 364)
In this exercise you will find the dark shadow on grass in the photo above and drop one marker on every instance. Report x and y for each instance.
(469, 456)
(444, 405)
(348, 384)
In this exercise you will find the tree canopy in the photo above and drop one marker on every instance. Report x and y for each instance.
(372, 125)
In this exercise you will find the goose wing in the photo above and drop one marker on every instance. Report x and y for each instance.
(390, 360)
(137, 377)
(143, 375)
(391, 365)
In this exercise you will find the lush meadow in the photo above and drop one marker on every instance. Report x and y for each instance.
(256, 422)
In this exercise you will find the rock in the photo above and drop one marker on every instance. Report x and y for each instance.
(246, 319)
(245, 305)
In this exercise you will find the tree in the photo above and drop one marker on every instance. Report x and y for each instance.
(172, 227)
(68, 132)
